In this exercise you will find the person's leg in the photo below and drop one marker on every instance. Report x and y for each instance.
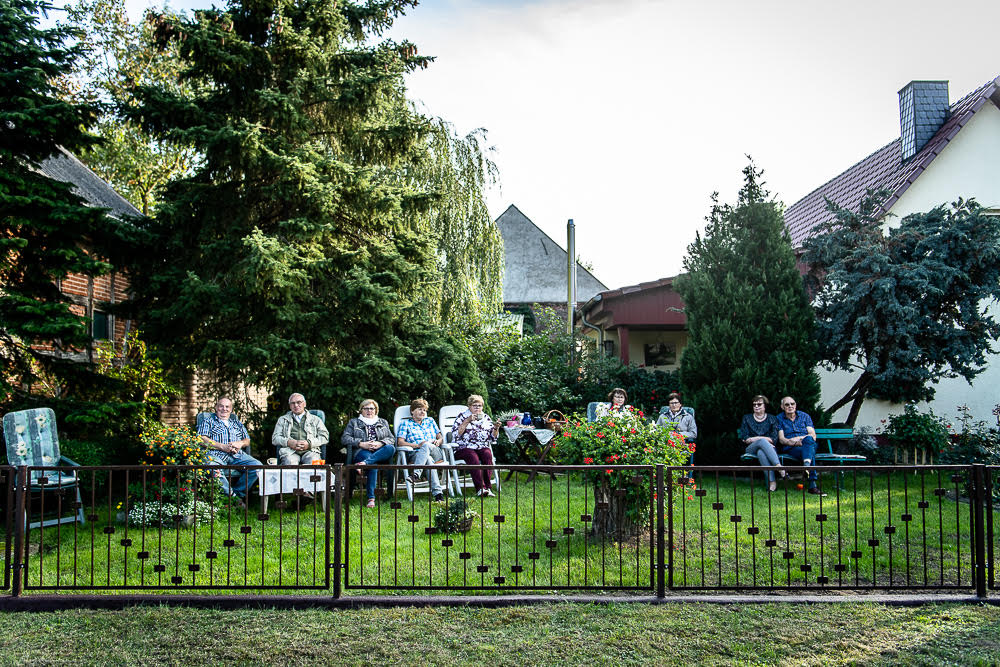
(288, 457)
(380, 455)
(247, 477)
(757, 448)
(809, 458)
(308, 456)
(418, 457)
(471, 457)
(486, 456)
(363, 457)
(217, 458)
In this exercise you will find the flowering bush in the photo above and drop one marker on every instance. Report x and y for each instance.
(154, 513)
(913, 429)
(177, 446)
(622, 438)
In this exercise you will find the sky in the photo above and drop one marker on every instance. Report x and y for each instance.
(626, 115)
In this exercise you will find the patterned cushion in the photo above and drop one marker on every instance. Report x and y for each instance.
(31, 437)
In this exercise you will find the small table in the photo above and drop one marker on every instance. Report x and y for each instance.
(274, 481)
(543, 436)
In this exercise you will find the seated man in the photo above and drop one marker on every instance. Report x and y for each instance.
(797, 438)
(299, 434)
(226, 438)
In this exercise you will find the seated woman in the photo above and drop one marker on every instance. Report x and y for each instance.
(371, 440)
(422, 434)
(682, 421)
(759, 430)
(474, 434)
(617, 398)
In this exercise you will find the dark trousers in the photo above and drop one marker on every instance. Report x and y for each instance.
(475, 457)
(807, 450)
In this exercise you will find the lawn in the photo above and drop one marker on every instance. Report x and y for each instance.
(872, 529)
(551, 634)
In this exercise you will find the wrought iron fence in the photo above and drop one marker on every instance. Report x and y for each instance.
(548, 528)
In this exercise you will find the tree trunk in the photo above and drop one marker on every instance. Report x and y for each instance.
(855, 396)
(611, 519)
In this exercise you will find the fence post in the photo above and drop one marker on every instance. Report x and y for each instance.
(338, 499)
(16, 564)
(978, 502)
(660, 561)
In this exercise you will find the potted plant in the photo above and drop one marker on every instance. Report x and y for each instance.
(456, 517)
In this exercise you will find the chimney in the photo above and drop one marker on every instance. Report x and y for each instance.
(923, 109)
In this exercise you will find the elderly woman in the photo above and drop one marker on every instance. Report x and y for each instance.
(683, 421)
(617, 398)
(421, 433)
(474, 434)
(371, 440)
(759, 430)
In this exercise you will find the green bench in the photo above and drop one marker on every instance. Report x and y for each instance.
(829, 435)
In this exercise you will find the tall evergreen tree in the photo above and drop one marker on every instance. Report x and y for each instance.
(285, 260)
(46, 229)
(748, 317)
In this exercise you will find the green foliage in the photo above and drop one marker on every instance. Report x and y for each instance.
(913, 429)
(748, 317)
(117, 56)
(905, 308)
(621, 438)
(975, 442)
(46, 228)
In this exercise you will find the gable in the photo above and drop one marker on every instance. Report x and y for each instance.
(535, 265)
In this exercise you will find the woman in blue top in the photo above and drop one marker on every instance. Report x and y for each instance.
(759, 430)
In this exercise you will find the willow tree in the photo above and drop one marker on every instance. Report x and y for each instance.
(286, 260)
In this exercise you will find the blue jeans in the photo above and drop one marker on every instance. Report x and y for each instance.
(803, 451)
(420, 456)
(246, 478)
(380, 455)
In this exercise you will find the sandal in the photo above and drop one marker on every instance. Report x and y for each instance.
(371, 504)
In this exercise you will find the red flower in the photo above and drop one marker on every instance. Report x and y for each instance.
(623, 439)
(640, 414)
(691, 447)
(610, 423)
(600, 435)
(609, 471)
(588, 460)
(566, 434)
(634, 431)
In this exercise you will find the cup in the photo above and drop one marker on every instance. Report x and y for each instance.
(272, 461)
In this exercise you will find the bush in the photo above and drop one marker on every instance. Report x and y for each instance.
(912, 429)
(154, 514)
(177, 446)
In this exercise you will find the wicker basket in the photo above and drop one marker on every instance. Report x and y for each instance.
(554, 420)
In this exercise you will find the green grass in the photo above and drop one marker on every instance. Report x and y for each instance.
(540, 529)
(566, 633)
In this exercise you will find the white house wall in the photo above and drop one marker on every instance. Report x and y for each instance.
(968, 167)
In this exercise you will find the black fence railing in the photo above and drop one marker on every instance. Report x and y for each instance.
(547, 528)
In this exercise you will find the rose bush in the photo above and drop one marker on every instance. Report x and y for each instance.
(622, 438)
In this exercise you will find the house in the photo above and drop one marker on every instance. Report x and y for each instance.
(535, 268)
(643, 323)
(90, 295)
(944, 151)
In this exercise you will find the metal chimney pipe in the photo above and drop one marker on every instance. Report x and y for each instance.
(570, 274)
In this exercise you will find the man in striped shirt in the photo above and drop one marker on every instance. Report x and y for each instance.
(227, 439)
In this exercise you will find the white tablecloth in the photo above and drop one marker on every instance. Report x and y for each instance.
(542, 434)
(286, 480)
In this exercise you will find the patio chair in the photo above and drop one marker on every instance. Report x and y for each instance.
(446, 419)
(403, 412)
(33, 440)
(688, 409)
(592, 410)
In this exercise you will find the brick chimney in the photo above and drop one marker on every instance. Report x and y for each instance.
(923, 109)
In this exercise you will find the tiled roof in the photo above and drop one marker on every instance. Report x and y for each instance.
(66, 167)
(883, 169)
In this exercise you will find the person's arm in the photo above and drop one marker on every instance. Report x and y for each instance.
(388, 438)
(402, 434)
(811, 431)
(458, 428)
(693, 427)
(349, 437)
(782, 439)
(322, 436)
(438, 435)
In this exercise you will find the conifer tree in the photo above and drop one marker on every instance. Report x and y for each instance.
(285, 260)
(46, 229)
(749, 320)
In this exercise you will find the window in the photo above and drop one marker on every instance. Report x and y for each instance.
(101, 329)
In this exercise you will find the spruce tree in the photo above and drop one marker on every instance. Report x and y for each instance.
(47, 231)
(284, 261)
(749, 320)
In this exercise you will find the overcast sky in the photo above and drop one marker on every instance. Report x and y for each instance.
(626, 115)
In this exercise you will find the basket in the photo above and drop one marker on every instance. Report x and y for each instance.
(554, 420)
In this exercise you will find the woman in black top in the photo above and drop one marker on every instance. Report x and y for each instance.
(759, 430)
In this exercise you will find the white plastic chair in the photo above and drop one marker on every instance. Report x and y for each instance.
(403, 412)
(446, 419)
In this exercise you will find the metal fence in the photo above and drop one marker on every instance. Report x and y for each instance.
(548, 528)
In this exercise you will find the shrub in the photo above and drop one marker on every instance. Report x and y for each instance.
(621, 438)
(457, 517)
(176, 446)
(154, 513)
(912, 429)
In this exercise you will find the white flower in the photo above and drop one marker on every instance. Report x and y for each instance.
(21, 451)
(47, 459)
(19, 429)
(40, 419)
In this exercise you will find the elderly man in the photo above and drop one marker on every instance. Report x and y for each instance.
(797, 438)
(299, 434)
(227, 438)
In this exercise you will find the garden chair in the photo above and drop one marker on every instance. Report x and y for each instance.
(688, 409)
(592, 411)
(446, 419)
(403, 412)
(33, 440)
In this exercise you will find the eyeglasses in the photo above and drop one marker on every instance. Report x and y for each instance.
(757, 403)
(296, 402)
(368, 407)
(789, 404)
